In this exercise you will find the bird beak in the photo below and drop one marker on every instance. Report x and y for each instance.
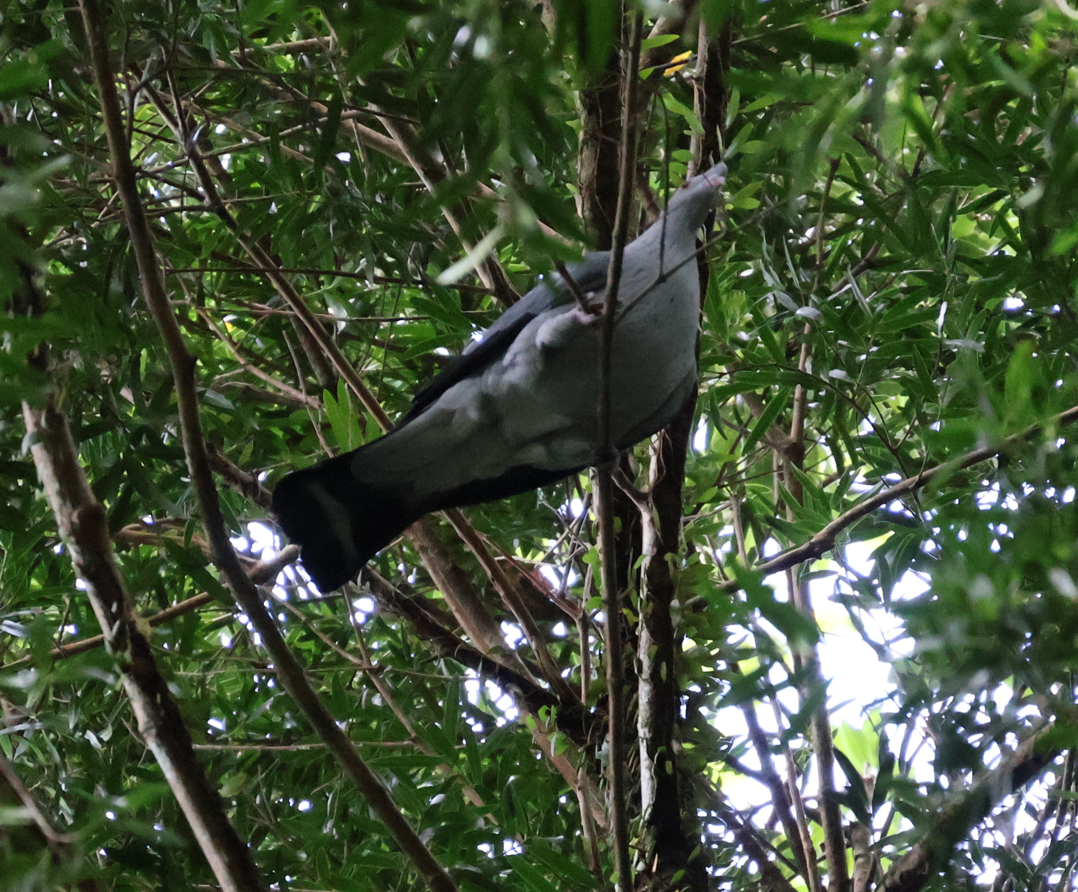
(717, 175)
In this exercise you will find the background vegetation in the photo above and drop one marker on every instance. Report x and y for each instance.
(880, 460)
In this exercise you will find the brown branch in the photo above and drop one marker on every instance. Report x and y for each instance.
(825, 540)
(240, 355)
(243, 482)
(377, 678)
(641, 499)
(240, 268)
(578, 724)
(780, 798)
(671, 848)
(83, 526)
(912, 871)
(585, 794)
(246, 593)
(241, 391)
(597, 160)
(834, 842)
(670, 821)
(774, 437)
(432, 172)
(513, 598)
(261, 572)
(464, 599)
(771, 878)
(574, 288)
(833, 169)
(28, 833)
(711, 93)
(808, 847)
(793, 462)
(864, 859)
(292, 297)
(365, 136)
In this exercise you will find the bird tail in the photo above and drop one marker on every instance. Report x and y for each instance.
(339, 521)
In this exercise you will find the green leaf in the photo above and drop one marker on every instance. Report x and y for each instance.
(650, 43)
(774, 408)
(343, 420)
(327, 139)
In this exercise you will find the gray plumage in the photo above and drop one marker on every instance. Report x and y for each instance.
(518, 409)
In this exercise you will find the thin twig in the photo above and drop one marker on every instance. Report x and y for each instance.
(824, 540)
(796, 834)
(261, 572)
(793, 463)
(808, 848)
(574, 288)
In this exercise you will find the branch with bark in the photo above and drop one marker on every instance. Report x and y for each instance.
(183, 362)
(83, 527)
(825, 540)
(912, 871)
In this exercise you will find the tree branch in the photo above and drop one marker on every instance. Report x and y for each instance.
(263, 571)
(780, 798)
(576, 722)
(514, 600)
(824, 540)
(911, 872)
(812, 686)
(83, 527)
(667, 810)
(247, 595)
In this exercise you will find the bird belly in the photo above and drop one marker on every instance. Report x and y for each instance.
(538, 407)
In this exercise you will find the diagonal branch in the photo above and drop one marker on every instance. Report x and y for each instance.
(432, 172)
(824, 540)
(514, 600)
(31, 835)
(83, 526)
(246, 593)
(573, 719)
(911, 872)
(791, 462)
(263, 571)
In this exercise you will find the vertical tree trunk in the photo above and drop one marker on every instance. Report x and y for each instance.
(671, 831)
(671, 828)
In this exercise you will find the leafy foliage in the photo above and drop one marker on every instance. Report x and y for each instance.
(892, 290)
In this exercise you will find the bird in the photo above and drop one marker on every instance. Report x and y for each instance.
(518, 409)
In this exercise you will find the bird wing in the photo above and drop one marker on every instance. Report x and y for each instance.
(589, 275)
